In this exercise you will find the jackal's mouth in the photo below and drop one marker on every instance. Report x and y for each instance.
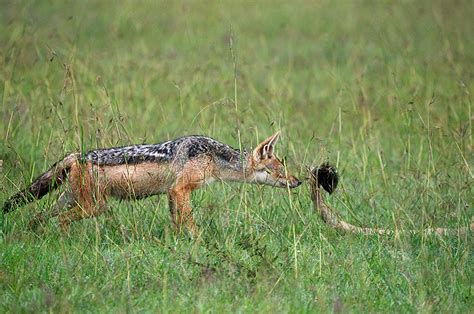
(295, 183)
(290, 183)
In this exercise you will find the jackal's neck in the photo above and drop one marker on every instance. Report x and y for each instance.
(237, 169)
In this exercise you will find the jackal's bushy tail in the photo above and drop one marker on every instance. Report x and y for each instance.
(42, 185)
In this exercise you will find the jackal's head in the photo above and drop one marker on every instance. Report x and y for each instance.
(266, 168)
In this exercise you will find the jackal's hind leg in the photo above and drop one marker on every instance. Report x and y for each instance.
(65, 201)
(84, 208)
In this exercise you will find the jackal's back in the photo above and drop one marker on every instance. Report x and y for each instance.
(180, 149)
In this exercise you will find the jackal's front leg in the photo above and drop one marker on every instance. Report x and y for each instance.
(180, 208)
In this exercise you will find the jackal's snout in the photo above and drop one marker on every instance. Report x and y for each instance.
(294, 182)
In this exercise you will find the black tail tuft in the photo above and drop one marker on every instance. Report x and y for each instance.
(327, 176)
(39, 188)
(42, 185)
(17, 200)
(7, 207)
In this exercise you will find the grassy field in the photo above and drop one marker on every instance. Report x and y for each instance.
(382, 89)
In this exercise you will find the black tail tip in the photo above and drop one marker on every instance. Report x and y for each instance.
(7, 207)
(327, 176)
(13, 202)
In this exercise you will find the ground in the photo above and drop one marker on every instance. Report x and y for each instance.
(382, 89)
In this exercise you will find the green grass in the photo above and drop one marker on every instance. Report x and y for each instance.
(382, 89)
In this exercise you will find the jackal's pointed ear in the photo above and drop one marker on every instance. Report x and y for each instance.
(265, 149)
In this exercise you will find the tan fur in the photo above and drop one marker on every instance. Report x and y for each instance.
(135, 181)
(89, 195)
(90, 184)
(196, 173)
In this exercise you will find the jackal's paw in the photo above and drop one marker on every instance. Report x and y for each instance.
(64, 226)
(37, 222)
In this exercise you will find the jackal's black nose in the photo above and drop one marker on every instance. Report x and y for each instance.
(295, 183)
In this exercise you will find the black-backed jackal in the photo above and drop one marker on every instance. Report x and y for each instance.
(175, 167)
